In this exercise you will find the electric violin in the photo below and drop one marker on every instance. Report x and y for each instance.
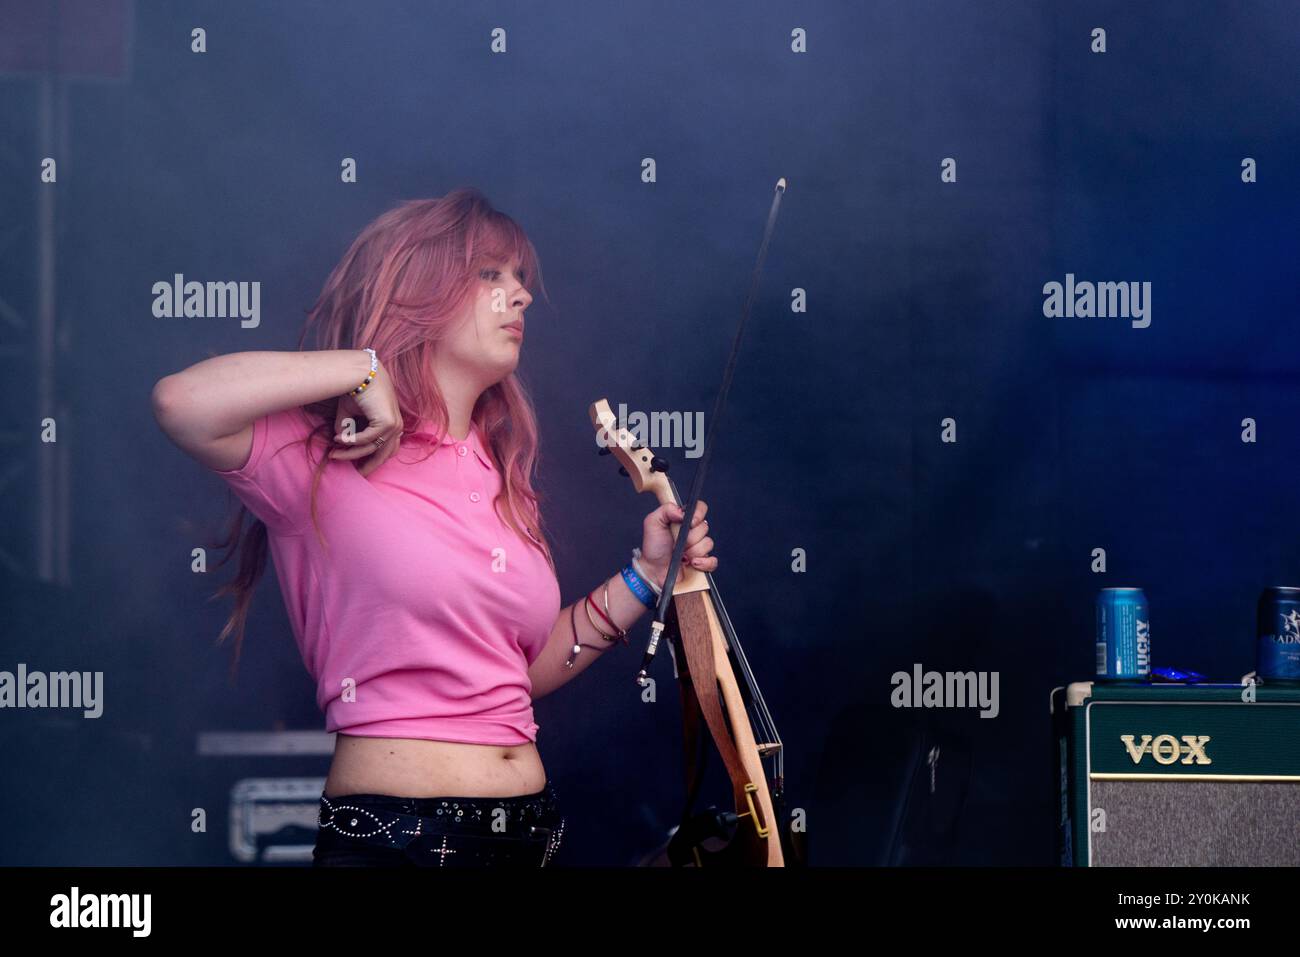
(717, 684)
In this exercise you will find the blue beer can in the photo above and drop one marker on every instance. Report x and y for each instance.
(1123, 635)
(1277, 645)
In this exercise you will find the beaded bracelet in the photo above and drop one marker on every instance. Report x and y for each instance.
(374, 368)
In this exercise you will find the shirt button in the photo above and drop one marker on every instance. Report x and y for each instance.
(461, 450)
(473, 496)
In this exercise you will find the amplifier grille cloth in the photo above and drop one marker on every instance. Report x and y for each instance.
(1191, 823)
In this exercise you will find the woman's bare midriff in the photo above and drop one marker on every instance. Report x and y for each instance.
(409, 767)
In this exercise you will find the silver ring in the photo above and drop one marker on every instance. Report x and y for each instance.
(380, 440)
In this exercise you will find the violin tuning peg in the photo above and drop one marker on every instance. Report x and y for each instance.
(624, 472)
(658, 465)
(604, 450)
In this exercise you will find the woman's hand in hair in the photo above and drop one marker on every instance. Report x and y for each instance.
(378, 405)
(658, 541)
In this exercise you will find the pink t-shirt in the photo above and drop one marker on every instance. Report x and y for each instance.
(421, 616)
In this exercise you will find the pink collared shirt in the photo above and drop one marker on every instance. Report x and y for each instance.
(421, 616)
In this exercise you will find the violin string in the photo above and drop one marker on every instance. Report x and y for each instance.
(764, 719)
(763, 716)
(757, 707)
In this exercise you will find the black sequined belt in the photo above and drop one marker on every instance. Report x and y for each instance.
(523, 830)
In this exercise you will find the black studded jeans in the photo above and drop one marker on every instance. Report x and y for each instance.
(385, 830)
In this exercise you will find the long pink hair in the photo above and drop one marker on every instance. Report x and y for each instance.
(401, 286)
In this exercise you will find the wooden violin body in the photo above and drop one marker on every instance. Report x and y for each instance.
(718, 690)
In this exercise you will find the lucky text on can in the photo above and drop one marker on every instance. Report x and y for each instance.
(1123, 635)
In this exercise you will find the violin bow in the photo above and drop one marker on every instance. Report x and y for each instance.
(734, 710)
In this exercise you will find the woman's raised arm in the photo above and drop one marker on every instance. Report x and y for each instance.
(208, 410)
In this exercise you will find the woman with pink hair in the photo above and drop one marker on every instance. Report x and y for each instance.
(390, 472)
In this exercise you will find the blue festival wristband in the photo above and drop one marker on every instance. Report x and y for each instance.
(638, 587)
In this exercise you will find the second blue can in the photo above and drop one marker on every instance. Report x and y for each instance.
(1123, 635)
(1277, 658)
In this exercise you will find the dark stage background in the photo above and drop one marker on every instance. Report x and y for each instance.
(925, 301)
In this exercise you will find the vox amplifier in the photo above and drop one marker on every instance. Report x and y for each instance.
(1177, 775)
